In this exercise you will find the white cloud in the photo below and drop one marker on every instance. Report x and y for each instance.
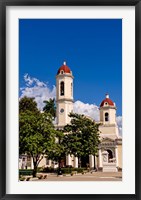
(37, 89)
(90, 110)
(119, 123)
(30, 81)
(40, 91)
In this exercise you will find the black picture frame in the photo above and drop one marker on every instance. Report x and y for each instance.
(3, 110)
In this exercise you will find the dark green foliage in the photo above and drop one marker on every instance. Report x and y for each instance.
(36, 134)
(82, 136)
(65, 170)
(50, 107)
(70, 170)
(59, 151)
(25, 172)
(27, 103)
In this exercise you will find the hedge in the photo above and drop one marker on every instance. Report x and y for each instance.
(25, 172)
(65, 170)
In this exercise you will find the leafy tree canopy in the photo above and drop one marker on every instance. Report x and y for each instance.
(82, 136)
(59, 148)
(36, 132)
(50, 107)
(27, 103)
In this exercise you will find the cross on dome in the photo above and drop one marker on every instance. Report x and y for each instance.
(64, 63)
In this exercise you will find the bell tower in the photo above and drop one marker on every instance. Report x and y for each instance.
(108, 117)
(64, 95)
(108, 111)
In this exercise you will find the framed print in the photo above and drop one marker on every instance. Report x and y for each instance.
(70, 99)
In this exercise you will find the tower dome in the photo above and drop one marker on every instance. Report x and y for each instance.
(108, 111)
(64, 69)
(107, 102)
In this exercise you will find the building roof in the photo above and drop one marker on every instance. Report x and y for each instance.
(108, 101)
(64, 68)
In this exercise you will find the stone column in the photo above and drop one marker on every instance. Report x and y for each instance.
(68, 160)
(100, 158)
(91, 161)
(116, 156)
(76, 162)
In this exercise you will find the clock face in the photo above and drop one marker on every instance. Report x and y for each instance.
(61, 110)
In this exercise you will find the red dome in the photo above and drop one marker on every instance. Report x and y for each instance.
(107, 100)
(64, 68)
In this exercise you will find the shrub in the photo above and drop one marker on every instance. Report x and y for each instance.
(21, 178)
(40, 169)
(80, 170)
(66, 170)
(25, 172)
(49, 170)
(70, 170)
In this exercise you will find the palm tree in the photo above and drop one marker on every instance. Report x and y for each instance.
(50, 107)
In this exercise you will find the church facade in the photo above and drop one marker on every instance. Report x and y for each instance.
(110, 149)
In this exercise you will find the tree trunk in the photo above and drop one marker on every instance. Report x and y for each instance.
(35, 169)
(59, 162)
(79, 158)
(59, 169)
(94, 163)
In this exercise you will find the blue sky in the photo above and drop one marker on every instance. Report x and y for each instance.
(92, 49)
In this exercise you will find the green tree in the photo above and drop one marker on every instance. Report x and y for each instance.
(59, 151)
(50, 107)
(82, 138)
(36, 134)
(27, 103)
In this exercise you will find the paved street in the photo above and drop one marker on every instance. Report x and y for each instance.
(96, 176)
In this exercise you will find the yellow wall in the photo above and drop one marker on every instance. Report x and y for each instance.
(113, 129)
(119, 147)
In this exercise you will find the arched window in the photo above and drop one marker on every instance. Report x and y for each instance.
(106, 117)
(62, 72)
(62, 88)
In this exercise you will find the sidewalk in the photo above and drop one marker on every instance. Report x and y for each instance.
(96, 176)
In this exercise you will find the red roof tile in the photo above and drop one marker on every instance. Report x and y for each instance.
(107, 100)
(64, 68)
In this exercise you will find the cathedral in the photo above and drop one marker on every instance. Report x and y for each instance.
(109, 157)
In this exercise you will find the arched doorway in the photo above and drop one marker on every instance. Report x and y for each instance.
(110, 154)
